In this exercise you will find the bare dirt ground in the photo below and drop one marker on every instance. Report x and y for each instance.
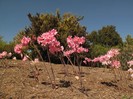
(18, 82)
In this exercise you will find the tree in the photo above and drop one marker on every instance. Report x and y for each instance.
(102, 40)
(18, 37)
(2, 44)
(93, 37)
(126, 52)
(108, 36)
(129, 40)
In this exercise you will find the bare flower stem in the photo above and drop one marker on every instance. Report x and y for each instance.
(36, 72)
(52, 70)
(64, 64)
(71, 64)
(43, 62)
(79, 69)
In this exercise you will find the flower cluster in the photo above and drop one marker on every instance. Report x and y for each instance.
(115, 63)
(87, 60)
(49, 40)
(24, 42)
(18, 48)
(113, 53)
(130, 70)
(74, 45)
(130, 63)
(36, 60)
(5, 54)
(107, 59)
(25, 58)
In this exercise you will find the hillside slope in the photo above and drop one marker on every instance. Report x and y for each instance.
(17, 82)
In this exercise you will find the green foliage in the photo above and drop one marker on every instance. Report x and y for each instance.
(18, 37)
(126, 55)
(93, 37)
(126, 52)
(97, 50)
(9, 47)
(107, 36)
(129, 40)
(127, 97)
(2, 44)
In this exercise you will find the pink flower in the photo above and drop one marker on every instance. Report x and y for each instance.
(25, 41)
(96, 59)
(74, 45)
(87, 60)
(130, 63)
(48, 39)
(54, 48)
(68, 53)
(1, 56)
(25, 58)
(115, 64)
(106, 62)
(18, 48)
(14, 58)
(79, 40)
(81, 49)
(36, 60)
(130, 70)
(53, 32)
(9, 54)
(107, 59)
(4, 54)
(39, 40)
(62, 48)
(102, 59)
(113, 52)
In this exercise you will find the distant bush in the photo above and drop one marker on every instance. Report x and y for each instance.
(126, 55)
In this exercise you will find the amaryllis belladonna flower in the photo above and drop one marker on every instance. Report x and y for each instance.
(130, 63)
(75, 45)
(18, 48)
(25, 41)
(49, 40)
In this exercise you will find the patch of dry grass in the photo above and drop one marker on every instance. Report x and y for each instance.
(18, 82)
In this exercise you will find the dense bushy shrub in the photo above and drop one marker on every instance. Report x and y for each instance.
(126, 55)
(97, 50)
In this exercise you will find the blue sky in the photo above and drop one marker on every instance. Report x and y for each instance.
(97, 13)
